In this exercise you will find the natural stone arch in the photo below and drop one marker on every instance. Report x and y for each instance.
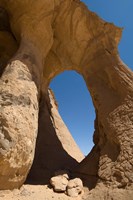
(64, 35)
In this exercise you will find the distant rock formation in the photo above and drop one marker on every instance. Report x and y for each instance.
(38, 40)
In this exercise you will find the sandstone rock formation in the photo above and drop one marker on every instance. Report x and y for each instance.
(38, 40)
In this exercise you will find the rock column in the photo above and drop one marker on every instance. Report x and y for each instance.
(19, 93)
(110, 83)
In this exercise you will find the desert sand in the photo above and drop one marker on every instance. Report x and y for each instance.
(36, 192)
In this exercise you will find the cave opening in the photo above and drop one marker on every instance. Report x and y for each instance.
(75, 107)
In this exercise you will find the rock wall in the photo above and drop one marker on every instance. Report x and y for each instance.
(48, 37)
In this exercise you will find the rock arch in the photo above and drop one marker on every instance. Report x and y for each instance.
(47, 38)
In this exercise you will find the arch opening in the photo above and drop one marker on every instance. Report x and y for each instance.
(75, 107)
(58, 148)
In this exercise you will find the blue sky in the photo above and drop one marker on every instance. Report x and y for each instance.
(75, 105)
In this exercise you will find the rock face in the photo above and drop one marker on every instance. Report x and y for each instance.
(38, 40)
(18, 124)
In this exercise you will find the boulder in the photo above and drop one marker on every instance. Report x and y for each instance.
(59, 183)
(74, 187)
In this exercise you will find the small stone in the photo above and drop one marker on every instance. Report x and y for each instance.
(59, 183)
(74, 187)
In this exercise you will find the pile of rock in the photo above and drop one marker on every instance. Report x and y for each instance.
(61, 183)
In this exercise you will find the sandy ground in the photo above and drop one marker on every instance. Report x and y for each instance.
(43, 192)
(36, 192)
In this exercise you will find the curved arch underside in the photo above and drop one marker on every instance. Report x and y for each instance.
(40, 39)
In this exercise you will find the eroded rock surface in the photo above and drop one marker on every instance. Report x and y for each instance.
(40, 39)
